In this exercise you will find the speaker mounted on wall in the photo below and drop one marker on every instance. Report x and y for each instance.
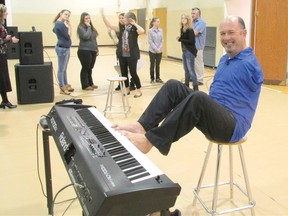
(34, 83)
(31, 48)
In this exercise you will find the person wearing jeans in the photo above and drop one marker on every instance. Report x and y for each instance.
(188, 64)
(187, 39)
(63, 55)
(62, 29)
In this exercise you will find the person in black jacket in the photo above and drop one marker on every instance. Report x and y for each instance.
(5, 84)
(130, 52)
(118, 29)
(189, 51)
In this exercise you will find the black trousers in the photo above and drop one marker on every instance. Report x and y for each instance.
(155, 60)
(131, 63)
(182, 109)
(87, 59)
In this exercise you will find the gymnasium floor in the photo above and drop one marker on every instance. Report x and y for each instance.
(265, 151)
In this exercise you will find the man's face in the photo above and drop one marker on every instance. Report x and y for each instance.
(195, 14)
(232, 37)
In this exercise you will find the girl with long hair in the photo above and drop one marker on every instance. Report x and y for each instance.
(87, 50)
(189, 51)
(62, 29)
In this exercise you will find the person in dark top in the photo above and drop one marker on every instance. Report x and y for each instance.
(189, 51)
(87, 50)
(118, 29)
(5, 84)
(130, 53)
(62, 29)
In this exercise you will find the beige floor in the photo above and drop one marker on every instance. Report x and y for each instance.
(266, 149)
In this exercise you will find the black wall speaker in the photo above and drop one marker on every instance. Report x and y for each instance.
(31, 48)
(34, 83)
(13, 49)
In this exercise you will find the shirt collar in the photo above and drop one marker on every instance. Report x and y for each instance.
(247, 51)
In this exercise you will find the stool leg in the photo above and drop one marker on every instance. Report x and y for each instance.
(245, 173)
(231, 171)
(109, 99)
(111, 95)
(216, 184)
(124, 97)
(203, 171)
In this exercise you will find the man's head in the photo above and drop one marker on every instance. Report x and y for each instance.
(233, 35)
(196, 13)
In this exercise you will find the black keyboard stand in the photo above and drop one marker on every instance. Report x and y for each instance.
(48, 175)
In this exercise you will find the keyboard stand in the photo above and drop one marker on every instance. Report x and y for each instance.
(48, 176)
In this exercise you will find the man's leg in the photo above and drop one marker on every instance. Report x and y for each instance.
(199, 66)
(196, 110)
(167, 98)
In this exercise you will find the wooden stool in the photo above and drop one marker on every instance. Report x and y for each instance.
(123, 93)
(247, 193)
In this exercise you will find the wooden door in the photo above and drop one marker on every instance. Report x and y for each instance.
(161, 13)
(270, 38)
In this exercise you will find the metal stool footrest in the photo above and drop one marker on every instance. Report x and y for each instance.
(210, 211)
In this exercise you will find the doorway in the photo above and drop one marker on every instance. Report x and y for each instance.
(269, 39)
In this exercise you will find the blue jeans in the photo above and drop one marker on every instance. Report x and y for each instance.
(63, 59)
(188, 64)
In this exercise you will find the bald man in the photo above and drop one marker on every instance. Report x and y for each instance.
(225, 115)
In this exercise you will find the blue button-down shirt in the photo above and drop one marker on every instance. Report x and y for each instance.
(200, 26)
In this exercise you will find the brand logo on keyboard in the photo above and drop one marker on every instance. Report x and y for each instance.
(63, 142)
(54, 124)
(106, 173)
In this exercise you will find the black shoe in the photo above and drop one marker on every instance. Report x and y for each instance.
(175, 213)
(200, 83)
(152, 81)
(117, 88)
(7, 104)
(132, 87)
(159, 81)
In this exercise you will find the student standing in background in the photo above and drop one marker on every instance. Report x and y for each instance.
(200, 39)
(130, 52)
(5, 84)
(189, 51)
(155, 40)
(119, 29)
(63, 31)
(87, 50)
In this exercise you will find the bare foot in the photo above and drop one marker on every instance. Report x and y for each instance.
(139, 140)
(132, 127)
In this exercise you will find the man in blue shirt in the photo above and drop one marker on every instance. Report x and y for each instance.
(225, 115)
(200, 38)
